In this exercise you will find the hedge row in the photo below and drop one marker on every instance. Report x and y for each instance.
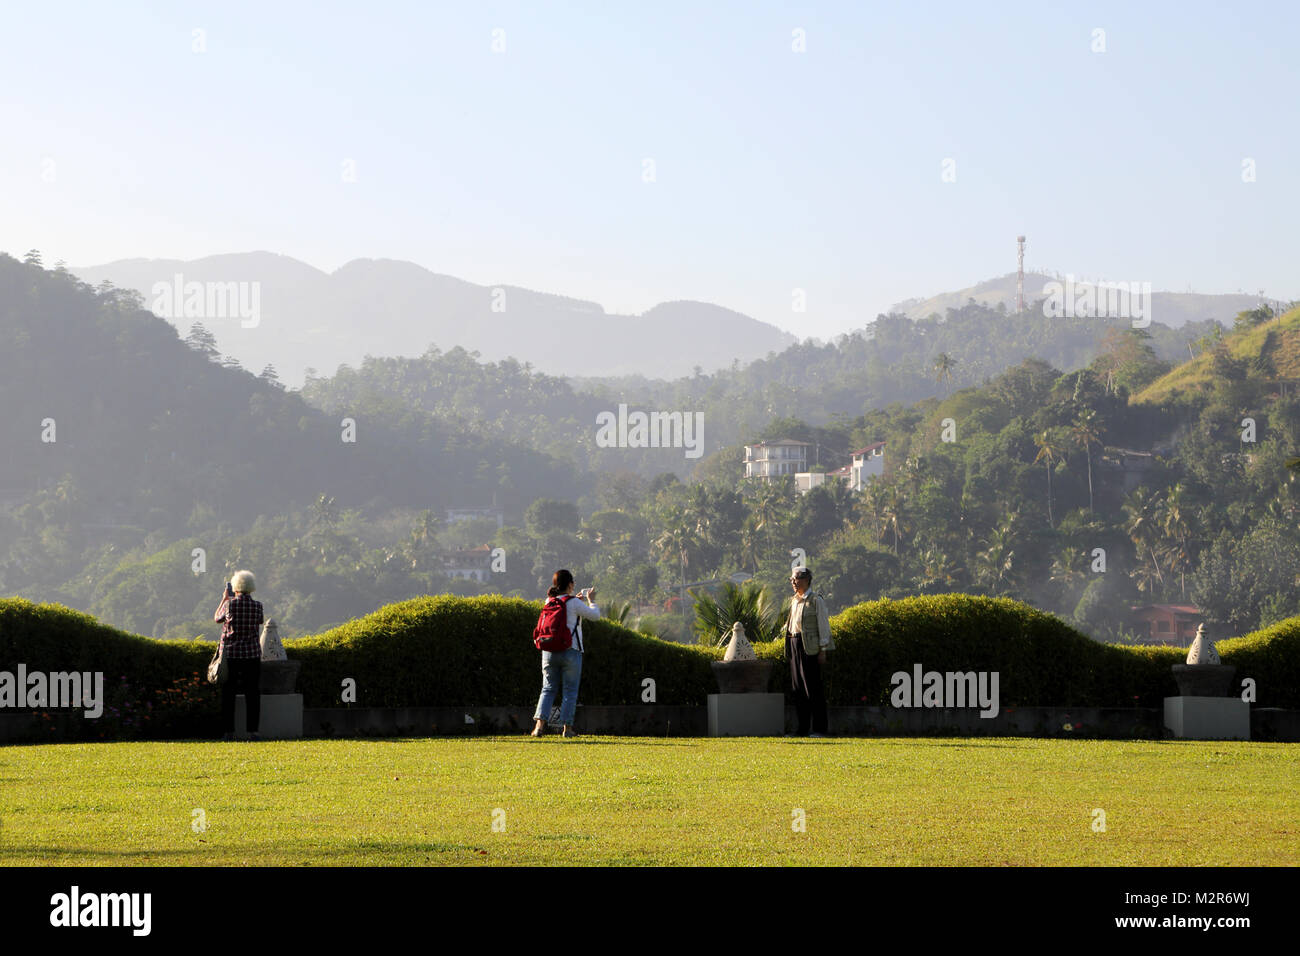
(151, 688)
(1272, 658)
(457, 651)
(1040, 660)
(51, 637)
(478, 651)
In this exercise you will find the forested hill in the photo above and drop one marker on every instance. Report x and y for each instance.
(116, 430)
(1044, 464)
(894, 359)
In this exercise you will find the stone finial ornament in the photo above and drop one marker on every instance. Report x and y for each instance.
(1202, 650)
(272, 649)
(739, 648)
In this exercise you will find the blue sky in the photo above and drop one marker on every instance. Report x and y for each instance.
(774, 169)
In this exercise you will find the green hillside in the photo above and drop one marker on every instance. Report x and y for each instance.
(1040, 482)
(1276, 341)
(130, 451)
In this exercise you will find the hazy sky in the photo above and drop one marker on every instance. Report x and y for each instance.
(774, 169)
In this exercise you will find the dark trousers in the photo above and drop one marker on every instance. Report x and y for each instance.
(806, 683)
(245, 678)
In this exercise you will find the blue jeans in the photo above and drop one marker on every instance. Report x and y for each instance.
(560, 666)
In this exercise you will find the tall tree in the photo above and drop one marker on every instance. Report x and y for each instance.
(994, 565)
(943, 366)
(1049, 450)
(1086, 432)
(1142, 510)
(1177, 518)
(202, 341)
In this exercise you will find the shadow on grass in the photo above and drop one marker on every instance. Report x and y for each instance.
(224, 854)
(940, 742)
(615, 741)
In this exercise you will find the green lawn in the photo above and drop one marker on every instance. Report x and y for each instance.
(620, 800)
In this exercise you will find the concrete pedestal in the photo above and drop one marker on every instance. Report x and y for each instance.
(281, 717)
(746, 715)
(1208, 718)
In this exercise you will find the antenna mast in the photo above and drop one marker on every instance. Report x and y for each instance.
(1020, 274)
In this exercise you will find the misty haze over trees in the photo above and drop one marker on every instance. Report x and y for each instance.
(1071, 435)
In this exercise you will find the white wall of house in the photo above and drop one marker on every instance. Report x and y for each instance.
(806, 481)
(866, 465)
(775, 459)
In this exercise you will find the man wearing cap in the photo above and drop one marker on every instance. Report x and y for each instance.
(807, 639)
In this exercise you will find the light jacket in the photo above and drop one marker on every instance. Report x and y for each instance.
(575, 610)
(815, 625)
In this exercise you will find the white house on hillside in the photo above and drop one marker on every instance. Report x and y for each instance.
(469, 563)
(776, 459)
(866, 462)
(806, 481)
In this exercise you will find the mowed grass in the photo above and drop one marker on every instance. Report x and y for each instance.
(651, 801)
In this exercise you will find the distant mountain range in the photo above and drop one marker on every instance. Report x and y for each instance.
(306, 318)
(265, 308)
(1173, 309)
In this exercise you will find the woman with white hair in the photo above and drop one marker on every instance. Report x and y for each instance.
(241, 626)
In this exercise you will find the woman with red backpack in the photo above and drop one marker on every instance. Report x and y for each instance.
(559, 637)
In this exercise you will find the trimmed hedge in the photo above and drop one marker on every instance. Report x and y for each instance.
(51, 637)
(456, 651)
(1272, 658)
(1040, 660)
(151, 688)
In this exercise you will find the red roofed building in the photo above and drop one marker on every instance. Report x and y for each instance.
(1170, 624)
(866, 462)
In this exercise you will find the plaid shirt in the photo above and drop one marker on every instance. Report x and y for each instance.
(241, 628)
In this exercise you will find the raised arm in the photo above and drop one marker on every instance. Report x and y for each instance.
(590, 611)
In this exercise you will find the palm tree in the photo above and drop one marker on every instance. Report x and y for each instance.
(892, 514)
(1178, 518)
(751, 604)
(845, 501)
(699, 514)
(1048, 452)
(1086, 433)
(943, 366)
(423, 537)
(751, 545)
(1069, 568)
(618, 612)
(993, 566)
(769, 508)
(1142, 512)
(939, 570)
(677, 540)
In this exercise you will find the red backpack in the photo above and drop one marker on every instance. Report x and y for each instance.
(552, 631)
